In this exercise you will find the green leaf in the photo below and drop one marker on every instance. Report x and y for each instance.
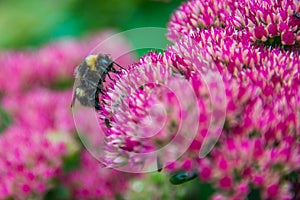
(71, 162)
(182, 177)
(5, 120)
(293, 177)
(199, 190)
(62, 84)
(254, 194)
(59, 193)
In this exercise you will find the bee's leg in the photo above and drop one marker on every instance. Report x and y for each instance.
(109, 77)
(100, 88)
(97, 106)
(116, 71)
(97, 102)
(100, 91)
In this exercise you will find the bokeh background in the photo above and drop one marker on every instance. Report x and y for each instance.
(29, 24)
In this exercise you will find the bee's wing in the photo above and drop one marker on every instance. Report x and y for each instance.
(76, 83)
(73, 99)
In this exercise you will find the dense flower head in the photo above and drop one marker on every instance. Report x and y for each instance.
(273, 23)
(270, 69)
(262, 105)
(259, 143)
(195, 14)
(240, 160)
(128, 104)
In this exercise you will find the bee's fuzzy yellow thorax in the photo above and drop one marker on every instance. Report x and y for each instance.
(91, 60)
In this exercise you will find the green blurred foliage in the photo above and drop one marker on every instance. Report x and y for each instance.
(59, 192)
(156, 186)
(34, 22)
(5, 119)
(29, 22)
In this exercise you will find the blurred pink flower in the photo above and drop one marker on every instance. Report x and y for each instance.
(42, 110)
(28, 162)
(41, 134)
(54, 62)
(93, 181)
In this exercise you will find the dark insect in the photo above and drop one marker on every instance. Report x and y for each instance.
(182, 177)
(296, 15)
(89, 78)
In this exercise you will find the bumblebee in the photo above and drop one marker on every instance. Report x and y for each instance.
(89, 78)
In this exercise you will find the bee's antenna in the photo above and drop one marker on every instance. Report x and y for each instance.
(119, 65)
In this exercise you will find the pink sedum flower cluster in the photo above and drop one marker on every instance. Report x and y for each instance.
(28, 161)
(128, 108)
(48, 114)
(259, 147)
(33, 147)
(273, 23)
